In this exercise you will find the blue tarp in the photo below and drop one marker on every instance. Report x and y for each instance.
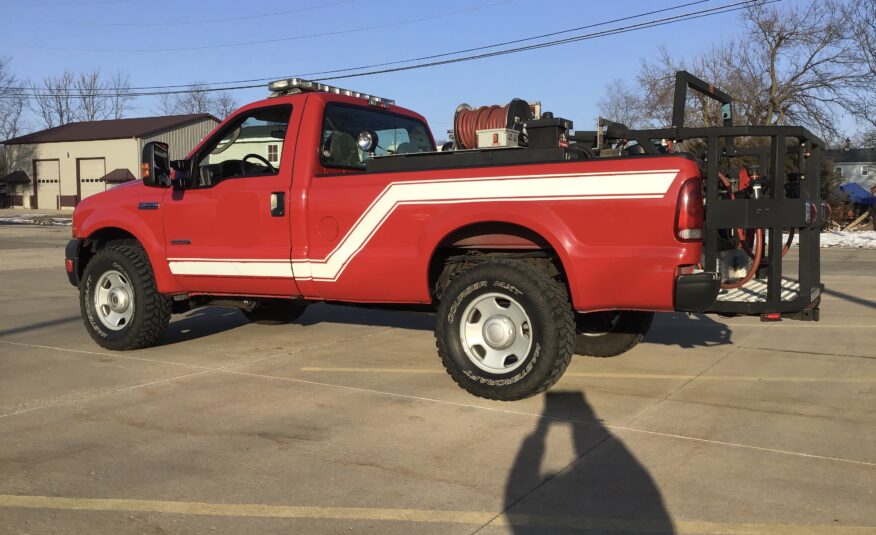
(858, 194)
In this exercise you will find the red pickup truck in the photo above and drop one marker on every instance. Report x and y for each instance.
(322, 194)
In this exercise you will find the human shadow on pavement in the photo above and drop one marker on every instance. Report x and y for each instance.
(605, 490)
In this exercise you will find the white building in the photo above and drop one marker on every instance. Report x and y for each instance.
(855, 165)
(68, 163)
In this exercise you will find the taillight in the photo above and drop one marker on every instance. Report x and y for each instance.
(689, 215)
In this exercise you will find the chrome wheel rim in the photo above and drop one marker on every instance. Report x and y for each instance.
(496, 333)
(114, 300)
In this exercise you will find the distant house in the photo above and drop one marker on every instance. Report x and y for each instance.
(58, 167)
(855, 165)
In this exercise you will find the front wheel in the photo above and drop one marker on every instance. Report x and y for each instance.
(608, 334)
(505, 330)
(119, 299)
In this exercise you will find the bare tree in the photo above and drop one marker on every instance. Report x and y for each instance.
(195, 100)
(93, 99)
(164, 105)
(12, 106)
(621, 104)
(121, 99)
(223, 104)
(55, 101)
(861, 102)
(792, 65)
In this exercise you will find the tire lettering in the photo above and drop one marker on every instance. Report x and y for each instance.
(451, 314)
(505, 286)
(511, 380)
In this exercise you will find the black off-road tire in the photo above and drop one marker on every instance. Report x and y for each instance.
(151, 310)
(275, 312)
(552, 329)
(626, 331)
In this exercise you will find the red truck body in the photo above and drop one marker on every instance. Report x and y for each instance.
(370, 237)
(517, 255)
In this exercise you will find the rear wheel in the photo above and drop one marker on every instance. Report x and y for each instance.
(608, 334)
(119, 299)
(505, 330)
(275, 312)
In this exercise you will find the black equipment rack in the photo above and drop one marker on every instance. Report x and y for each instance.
(790, 157)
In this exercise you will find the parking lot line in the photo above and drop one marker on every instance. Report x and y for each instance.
(108, 393)
(595, 375)
(200, 370)
(435, 516)
(561, 419)
(102, 354)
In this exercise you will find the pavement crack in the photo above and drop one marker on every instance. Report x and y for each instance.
(812, 353)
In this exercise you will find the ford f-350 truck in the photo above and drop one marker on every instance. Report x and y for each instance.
(528, 252)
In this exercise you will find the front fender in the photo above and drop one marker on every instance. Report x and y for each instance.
(146, 226)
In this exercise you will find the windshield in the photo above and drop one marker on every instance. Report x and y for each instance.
(261, 134)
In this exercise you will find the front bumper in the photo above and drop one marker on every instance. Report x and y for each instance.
(696, 292)
(71, 260)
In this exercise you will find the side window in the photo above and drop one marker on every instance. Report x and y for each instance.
(250, 146)
(396, 134)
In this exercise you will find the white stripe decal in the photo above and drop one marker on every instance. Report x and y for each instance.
(232, 269)
(632, 185)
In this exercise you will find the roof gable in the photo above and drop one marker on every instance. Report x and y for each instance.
(852, 155)
(111, 129)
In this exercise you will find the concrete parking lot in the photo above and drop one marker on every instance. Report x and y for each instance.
(345, 422)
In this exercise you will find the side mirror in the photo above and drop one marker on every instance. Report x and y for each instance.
(155, 165)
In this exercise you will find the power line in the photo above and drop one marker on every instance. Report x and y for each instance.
(79, 4)
(268, 41)
(640, 26)
(189, 22)
(409, 60)
(728, 8)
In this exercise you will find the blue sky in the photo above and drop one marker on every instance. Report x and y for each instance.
(39, 37)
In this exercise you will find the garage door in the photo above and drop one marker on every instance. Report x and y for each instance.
(48, 179)
(90, 171)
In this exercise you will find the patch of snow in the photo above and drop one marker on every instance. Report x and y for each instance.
(36, 219)
(860, 239)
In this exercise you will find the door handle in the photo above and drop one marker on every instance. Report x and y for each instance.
(278, 204)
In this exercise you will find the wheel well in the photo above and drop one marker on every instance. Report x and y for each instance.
(482, 242)
(100, 239)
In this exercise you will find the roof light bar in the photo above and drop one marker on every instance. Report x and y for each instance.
(289, 86)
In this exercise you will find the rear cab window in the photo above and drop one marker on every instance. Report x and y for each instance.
(396, 134)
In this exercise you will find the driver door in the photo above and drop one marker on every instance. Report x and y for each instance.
(229, 233)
